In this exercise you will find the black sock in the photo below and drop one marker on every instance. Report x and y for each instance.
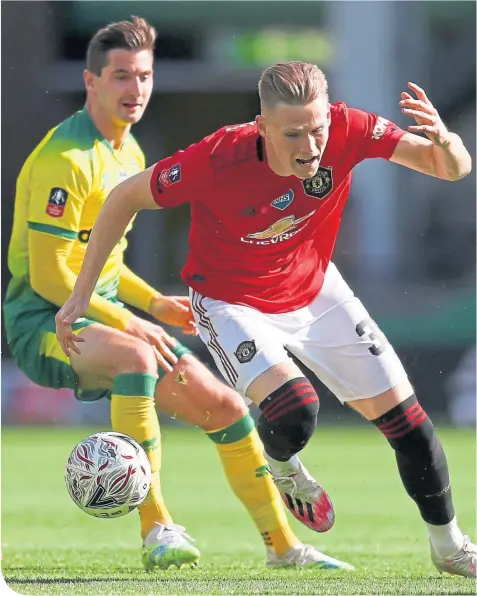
(420, 458)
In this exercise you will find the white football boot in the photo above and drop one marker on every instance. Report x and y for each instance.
(306, 500)
(304, 555)
(462, 562)
(168, 545)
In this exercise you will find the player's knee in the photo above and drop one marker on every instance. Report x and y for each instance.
(289, 418)
(135, 356)
(408, 429)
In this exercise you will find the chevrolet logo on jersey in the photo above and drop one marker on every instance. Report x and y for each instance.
(283, 229)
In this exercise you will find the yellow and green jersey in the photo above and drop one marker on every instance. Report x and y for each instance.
(60, 191)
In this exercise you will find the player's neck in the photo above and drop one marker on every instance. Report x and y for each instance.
(114, 133)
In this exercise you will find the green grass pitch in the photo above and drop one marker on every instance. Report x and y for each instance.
(50, 547)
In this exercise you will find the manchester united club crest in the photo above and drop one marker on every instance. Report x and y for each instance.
(320, 185)
(246, 351)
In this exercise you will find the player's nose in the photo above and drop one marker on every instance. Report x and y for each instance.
(309, 145)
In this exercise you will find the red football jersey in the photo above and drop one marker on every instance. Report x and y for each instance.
(256, 238)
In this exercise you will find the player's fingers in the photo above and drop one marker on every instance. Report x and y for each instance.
(426, 128)
(74, 348)
(421, 115)
(190, 328)
(169, 340)
(419, 91)
(71, 317)
(161, 361)
(165, 351)
(64, 345)
(184, 300)
(190, 331)
(418, 104)
(405, 95)
(181, 307)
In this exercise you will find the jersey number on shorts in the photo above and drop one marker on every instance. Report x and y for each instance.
(368, 328)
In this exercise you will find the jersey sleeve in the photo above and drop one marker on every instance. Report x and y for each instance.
(184, 177)
(58, 187)
(53, 280)
(374, 135)
(134, 290)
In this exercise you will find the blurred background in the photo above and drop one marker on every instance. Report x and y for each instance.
(407, 244)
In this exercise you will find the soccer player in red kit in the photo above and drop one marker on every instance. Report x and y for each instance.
(266, 201)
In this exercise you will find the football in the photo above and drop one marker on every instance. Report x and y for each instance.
(108, 475)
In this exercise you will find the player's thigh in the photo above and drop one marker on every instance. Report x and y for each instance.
(243, 343)
(348, 352)
(193, 394)
(374, 407)
(38, 354)
(108, 352)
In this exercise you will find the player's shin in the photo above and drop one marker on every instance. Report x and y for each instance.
(133, 413)
(423, 469)
(241, 454)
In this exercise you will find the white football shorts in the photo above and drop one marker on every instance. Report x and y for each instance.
(334, 337)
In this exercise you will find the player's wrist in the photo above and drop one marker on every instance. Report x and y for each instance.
(156, 303)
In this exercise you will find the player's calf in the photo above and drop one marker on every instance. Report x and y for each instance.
(421, 460)
(424, 473)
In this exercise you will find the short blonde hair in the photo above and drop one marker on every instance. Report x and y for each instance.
(292, 83)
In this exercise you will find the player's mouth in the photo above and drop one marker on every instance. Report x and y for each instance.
(308, 162)
(131, 105)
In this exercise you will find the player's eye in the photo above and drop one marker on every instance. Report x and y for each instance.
(318, 131)
(291, 135)
(145, 77)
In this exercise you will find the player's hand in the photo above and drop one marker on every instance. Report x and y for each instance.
(71, 311)
(425, 114)
(176, 311)
(157, 338)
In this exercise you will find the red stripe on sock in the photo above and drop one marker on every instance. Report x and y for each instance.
(291, 407)
(396, 421)
(407, 426)
(280, 399)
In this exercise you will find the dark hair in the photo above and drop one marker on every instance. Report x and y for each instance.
(292, 83)
(134, 35)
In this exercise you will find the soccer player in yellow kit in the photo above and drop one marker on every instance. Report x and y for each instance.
(60, 191)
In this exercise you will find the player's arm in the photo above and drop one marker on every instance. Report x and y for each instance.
(53, 280)
(442, 153)
(58, 192)
(168, 183)
(122, 204)
(135, 291)
(172, 310)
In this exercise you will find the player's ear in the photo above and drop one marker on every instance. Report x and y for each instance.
(88, 80)
(260, 121)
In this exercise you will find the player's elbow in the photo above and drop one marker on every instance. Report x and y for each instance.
(464, 170)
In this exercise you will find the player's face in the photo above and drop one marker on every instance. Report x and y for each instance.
(124, 87)
(296, 137)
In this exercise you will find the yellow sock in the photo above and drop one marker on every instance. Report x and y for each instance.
(241, 453)
(133, 413)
